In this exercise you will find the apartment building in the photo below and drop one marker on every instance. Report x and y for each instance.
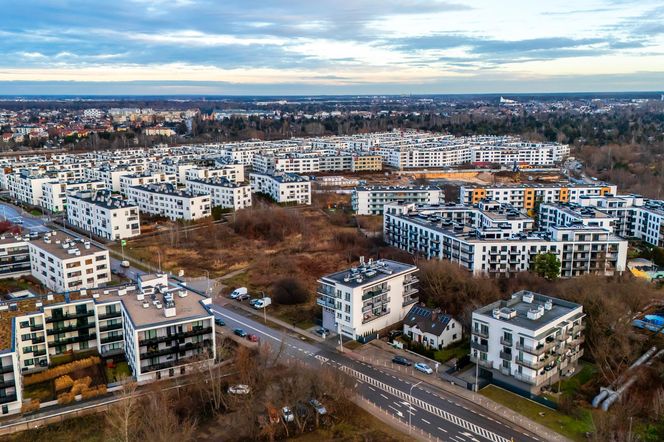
(369, 200)
(527, 196)
(570, 214)
(144, 179)
(111, 175)
(54, 193)
(316, 161)
(26, 186)
(14, 256)
(232, 172)
(63, 263)
(223, 192)
(282, 188)
(528, 341)
(166, 200)
(493, 245)
(103, 214)
(163, 331)
(368, 298)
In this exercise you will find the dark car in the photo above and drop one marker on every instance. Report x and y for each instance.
(252, 338)
(241, 333)
(401, 361)
(219, 321)
(322, 331)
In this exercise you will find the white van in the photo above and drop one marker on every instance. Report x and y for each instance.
(240, 292)
(262, 303)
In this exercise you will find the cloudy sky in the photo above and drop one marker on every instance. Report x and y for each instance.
(330, 46)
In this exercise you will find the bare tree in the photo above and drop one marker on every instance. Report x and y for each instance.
(122, 416)
(160, 422)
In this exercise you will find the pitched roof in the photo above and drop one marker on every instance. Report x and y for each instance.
(427, 320)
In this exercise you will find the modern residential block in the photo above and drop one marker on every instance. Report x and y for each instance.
(166, 200)
(103, 214)
(223, 192)
(370, 200)
(283, 188)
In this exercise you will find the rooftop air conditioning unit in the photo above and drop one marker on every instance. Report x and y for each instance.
(95, 295)
(548, 305)
(528, 298)
(496, 313)
(146, 305)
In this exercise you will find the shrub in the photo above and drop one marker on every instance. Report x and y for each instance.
(90, 393)
(61, 370)
(63, 383)
(81, 384)
(289, 291)
(66, 398)
(29, 407)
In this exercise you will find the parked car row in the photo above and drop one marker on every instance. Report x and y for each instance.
(242, 294)
(243, 334)
(420, 366)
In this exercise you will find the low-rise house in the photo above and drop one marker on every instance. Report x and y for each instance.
(431, 328)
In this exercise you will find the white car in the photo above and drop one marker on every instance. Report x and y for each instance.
(424, 368)
(287, 415)
(239, 389)
(239, 293)
(320, 409)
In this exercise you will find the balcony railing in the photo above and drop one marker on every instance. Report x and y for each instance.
(36, 327)
(175, 349)
(482, 362)
(535, 365)
(505, 355)
(479, 332)
(538, 350)
(506, 342)
(108, 327)
(114, 338)
(6, 369)
(478, 346)
(374, 293)
(325, 302)
(7, 399)
(375, 316)
(110, 315)
(68, 316)
(525, 378)
(38, 340)
(158, 339)
(8, 383)
(69, 328)
(409, 300)
(75, 339)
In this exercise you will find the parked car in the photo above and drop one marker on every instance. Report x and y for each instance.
(263, 302)
(400, 360)
(239, 291)
(287, 415)
(322, 331)
(320, 409)
(253, 338)
(424, 368)
(125, 264)
(253, 302)
(239, 389)
(243, 297)
(239, 332)
(219, 321)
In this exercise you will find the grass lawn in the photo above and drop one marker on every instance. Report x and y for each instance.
(573, 427)
(120, 371)
(586, 371)
(35, 212)
(458, 350)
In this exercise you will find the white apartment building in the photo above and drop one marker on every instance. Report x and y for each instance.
(369, 200)
(144, 179)
(14, 255)
(111, 176)
(569, 214)
(26, 187)
(163, 331)
(54, 194)
(368, 298)
(282, 188)
(223, 192)
(527, 196)
(528, 341)
(490, 245)
(63, 263)
(166, 200)
(232, 172)
(103, 214)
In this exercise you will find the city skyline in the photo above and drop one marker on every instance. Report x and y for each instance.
(391, 47)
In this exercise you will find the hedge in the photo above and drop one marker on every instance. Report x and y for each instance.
(29, 407)
(63, 382)
(61, 370)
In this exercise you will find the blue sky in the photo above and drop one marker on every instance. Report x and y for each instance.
(330, 46)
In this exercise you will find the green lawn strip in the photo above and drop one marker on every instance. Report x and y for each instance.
(573, 427)
(458, 350)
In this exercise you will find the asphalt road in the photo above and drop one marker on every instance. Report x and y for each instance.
(438, 414)
(441, 415)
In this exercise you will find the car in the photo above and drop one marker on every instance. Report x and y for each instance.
(424, 368)
(320, 409)
(239, 291)
(239, 332)
(400, 360)
(287, 415)
(252, 338)
(125, 264)
(219, 321)
(239, 389)
(253, 302)
(322, 331)
(243, 296)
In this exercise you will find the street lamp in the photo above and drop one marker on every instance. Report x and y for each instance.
(207, 273)
(410, 402)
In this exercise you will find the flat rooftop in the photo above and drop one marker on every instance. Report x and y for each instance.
(169, 189)
(396, 188)
(61, 245)
(369, 273)
(104, 198)
(520, 305)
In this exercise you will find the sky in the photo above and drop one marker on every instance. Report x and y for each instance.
(307, 47)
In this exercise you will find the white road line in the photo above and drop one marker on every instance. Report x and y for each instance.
(385, 396)
(442, 429)
(426, 421)
(246, 325)
(371, 388)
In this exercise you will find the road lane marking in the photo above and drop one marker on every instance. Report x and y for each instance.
(385, 396)
(442, 429)
(425, 421)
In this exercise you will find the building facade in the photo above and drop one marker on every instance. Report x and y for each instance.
(103, 214)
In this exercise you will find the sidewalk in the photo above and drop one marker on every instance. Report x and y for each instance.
(380, 354)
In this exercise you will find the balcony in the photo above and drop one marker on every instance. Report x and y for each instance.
(326, 302)
(505, 371)
(38, 340)
(36, 327)
(8, 383)
(479, 332)
(409, 300)
(75, 339)
(114, 338)
(108, 327)
(538, 350)
(176, 349)
(7, 399)
(158, 339)
(478, 346)
(7, 369)
(39, 353)
(525, 378)
(482, 362)
(374, 293)
(68, 316)
(506, 342)
(371, 317)
(534, 365)
(506, 356)
(69, 328)
(110, 315)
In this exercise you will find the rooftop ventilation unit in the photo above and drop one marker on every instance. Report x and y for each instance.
(528, 298)
(548, 305)
(95, 295)
(536, 313)
(146, 305)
